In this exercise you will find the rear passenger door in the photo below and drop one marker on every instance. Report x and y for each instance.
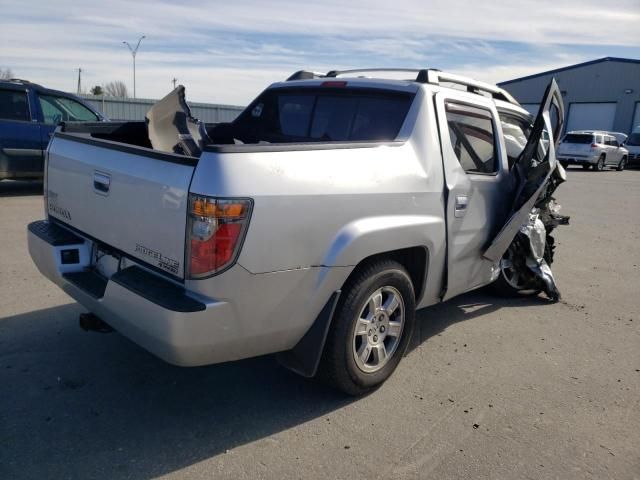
(478, 185)
(21, 152)
(614, 154)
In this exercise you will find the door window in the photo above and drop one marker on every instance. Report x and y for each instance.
(472, 137)
(61, 109)
(516, 132)
(14, 106)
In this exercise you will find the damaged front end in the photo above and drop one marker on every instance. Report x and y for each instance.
(524, 247)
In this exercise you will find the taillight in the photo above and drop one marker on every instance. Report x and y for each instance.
(215, 230)
(594, 145)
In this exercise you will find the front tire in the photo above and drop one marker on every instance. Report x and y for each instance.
(371, 328)
(515, 279)
(622, 164)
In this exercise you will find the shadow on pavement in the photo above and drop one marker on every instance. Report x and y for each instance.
(87, 405)
(17, 188)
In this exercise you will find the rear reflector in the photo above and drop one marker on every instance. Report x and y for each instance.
(216, 228)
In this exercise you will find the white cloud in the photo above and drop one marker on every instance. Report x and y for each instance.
(227, 51)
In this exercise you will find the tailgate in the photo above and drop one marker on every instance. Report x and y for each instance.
(131, 198)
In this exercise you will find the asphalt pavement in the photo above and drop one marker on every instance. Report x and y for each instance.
(491, 389)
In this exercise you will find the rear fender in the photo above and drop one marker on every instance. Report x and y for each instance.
(369, 236)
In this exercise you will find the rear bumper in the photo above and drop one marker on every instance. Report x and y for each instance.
(180, 327)
(227, 317)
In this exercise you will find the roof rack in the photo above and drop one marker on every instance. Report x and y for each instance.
(431, 76)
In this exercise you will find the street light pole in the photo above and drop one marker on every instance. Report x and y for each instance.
(133, 54)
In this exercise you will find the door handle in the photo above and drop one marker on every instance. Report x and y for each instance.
(460, 207)
(101, 183)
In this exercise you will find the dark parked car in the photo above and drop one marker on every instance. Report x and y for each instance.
(28, 115)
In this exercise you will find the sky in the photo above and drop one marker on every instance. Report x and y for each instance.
(228, 51)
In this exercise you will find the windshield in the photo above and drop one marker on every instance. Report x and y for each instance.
(634, 139)
(578, 138)
(58, 109)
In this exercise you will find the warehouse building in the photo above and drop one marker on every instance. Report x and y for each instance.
(123, 109)
(602, 94)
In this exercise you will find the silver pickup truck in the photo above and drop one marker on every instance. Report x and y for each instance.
(312, 226)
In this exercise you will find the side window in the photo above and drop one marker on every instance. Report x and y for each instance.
(614, 142)
(472, 137)
(58, 109)
(14, 106)
(516, 133)
(599, 139)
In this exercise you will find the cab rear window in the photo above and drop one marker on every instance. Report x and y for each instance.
(323, 115)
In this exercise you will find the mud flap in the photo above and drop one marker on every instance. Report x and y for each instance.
(304, 358)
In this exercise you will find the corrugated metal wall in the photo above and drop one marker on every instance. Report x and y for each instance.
(135, 109)
(608, 81)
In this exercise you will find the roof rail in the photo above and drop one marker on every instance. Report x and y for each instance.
(337, 73)
(18, 80)
(304, 75)
(432, 76)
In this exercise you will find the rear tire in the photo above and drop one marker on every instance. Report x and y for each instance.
(600, 165)
(371, 328)
(622, 164)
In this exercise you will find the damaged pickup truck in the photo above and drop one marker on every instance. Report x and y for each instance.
(312, 226)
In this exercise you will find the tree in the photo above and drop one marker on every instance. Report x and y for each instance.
(116, 89)
(97, 90)
(6, 74)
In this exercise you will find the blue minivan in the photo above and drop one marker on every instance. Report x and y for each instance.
(29, 113)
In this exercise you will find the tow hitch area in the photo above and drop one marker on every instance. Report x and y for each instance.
(91, 323)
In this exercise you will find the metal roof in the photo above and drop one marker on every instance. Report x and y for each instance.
(571, 67)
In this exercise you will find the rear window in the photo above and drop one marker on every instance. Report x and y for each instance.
(326, 115)
(578, 138)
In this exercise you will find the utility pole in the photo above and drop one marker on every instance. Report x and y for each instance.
(133, 54)
(79, 81)
(174, 80)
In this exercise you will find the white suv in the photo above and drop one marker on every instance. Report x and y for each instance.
(591, 148)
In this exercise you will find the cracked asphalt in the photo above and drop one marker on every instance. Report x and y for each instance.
(491, 389)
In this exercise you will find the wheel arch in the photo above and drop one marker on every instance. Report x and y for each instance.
(414, 259)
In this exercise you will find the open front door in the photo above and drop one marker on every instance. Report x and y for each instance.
(478, 186)
(536, 170)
